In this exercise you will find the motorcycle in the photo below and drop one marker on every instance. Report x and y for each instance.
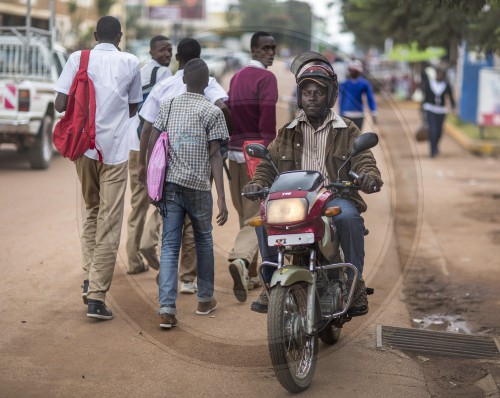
(310, 291)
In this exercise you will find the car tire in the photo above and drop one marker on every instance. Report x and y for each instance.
(41, 153)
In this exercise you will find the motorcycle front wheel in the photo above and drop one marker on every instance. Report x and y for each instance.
(293, 353)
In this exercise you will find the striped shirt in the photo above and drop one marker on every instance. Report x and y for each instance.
(192, 123)
(314, 145)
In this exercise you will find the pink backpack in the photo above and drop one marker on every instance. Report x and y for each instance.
(157, 168)
(157, 165)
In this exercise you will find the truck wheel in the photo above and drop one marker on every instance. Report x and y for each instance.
(40, 154)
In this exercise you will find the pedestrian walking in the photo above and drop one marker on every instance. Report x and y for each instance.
(351, 94)
(253, 94)
(187, 49)
(436, 90)
(144, 233)
(117, 82)
(193, 125)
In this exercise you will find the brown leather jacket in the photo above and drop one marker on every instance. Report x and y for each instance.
(286, 152)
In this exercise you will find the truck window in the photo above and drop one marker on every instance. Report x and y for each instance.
(57, 63)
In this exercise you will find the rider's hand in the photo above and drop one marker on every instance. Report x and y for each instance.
(367, 183)
(251, 188)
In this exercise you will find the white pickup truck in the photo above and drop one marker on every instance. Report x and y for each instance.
(29, 68)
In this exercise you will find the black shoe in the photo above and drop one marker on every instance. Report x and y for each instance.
(97, 309)
(261, 304)
(85, 287)
(359, 303)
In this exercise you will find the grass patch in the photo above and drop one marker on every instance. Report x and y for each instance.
(472, 130)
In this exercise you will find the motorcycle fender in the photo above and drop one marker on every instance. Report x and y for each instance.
(329, 245)
(289, 275)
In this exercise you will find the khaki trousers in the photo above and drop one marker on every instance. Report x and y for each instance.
(143, 237)
(103, 190)
(246, 245)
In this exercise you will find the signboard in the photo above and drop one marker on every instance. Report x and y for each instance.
(488, 110)
(175, 10)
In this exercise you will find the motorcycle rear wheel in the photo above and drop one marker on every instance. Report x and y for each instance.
(293, 354)
(330, 335)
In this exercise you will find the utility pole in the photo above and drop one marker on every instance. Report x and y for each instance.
(28, 35)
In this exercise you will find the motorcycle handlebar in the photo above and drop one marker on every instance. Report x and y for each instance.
(261, 194)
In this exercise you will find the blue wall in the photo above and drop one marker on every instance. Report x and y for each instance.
(470, 86)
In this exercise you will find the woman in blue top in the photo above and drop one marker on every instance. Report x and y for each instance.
(351, 96)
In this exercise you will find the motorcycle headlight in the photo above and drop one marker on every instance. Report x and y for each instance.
(281, 211)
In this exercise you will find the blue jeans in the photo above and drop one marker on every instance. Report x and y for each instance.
(177, 202)
(350, 227)
(435, 122)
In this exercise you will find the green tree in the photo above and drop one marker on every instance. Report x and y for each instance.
(441, 23)
(290, 21)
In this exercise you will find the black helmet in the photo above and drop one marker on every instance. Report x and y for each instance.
(315, 67)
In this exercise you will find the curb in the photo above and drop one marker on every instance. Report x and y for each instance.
(488, 148)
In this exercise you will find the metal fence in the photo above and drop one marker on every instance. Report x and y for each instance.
(24, 54)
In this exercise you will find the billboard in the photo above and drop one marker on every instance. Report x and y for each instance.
(175, 10)
(488, 110)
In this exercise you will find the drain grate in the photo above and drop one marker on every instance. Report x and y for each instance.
(437, 343)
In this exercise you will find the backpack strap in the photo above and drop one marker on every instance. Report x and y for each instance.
(147, 88)
(84, 59)
(84, 63)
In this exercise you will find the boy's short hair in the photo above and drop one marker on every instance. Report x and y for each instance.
(195, 71)
(254, 41)
(108, 28)
(156, 39)
(188, 49)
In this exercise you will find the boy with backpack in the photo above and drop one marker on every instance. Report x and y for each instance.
(195, 128)
(143, 236)
(103, 171)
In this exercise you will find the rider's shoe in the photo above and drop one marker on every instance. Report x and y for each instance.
(239, 273)
(261, 303)
(359, 303)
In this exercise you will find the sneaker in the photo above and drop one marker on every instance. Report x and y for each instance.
(98, 310)
(85, 287)
(261, 303)
(254, 282)
(189, 287)
(168, 321)
(239, 273)
(206, 307)
(359, 303)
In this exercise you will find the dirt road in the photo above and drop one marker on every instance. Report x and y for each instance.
(422, 230)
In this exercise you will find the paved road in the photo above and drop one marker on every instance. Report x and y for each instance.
(49, 348)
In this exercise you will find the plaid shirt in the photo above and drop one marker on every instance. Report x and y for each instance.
(193, 122)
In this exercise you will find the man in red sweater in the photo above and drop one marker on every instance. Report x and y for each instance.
(253, 94)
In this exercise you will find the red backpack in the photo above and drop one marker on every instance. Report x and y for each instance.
(75, 132)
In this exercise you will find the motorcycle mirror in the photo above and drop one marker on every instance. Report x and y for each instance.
(363, 142)
(257, 151)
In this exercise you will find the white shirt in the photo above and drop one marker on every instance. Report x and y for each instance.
(146, 72)
(117, 82)
(172, 87)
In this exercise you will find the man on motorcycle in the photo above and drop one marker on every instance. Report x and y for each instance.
(320, 140)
